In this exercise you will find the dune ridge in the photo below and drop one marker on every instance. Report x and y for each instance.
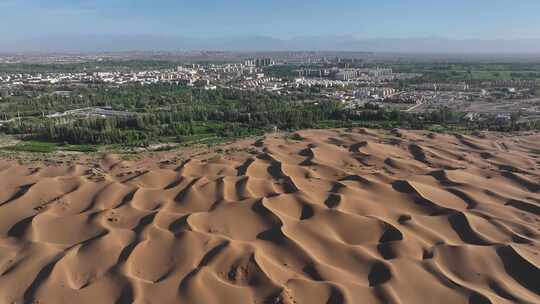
(329, 217)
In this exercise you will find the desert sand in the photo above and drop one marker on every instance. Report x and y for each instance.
(321, 217)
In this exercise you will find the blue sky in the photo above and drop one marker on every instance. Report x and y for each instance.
(455, 19)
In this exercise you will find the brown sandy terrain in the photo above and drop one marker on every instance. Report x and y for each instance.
(336, 217)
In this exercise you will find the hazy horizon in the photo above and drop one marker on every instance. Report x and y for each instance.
(124, 43)
(460, 26)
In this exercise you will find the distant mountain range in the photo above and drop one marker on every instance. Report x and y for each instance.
(120, 43)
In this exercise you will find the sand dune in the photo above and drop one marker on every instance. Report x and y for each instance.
(357, 216)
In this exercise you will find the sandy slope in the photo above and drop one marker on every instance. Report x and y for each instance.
(338, 217)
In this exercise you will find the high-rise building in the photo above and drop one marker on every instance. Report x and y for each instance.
(262, 62)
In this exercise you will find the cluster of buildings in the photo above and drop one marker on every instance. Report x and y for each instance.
(259, 81)
(333, 78)
(358, 86)
(144, 77)
(377, 74)
(355, 74)
(375, 92)
(191, 75)
(316, 82)
(259, 62)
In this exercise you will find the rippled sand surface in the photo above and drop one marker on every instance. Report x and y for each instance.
(331, 217)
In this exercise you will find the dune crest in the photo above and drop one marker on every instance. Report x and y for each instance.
(327, 216)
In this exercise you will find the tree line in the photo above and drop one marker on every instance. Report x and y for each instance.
(175, 113)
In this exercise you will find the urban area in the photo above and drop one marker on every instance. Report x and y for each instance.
(48, 97)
